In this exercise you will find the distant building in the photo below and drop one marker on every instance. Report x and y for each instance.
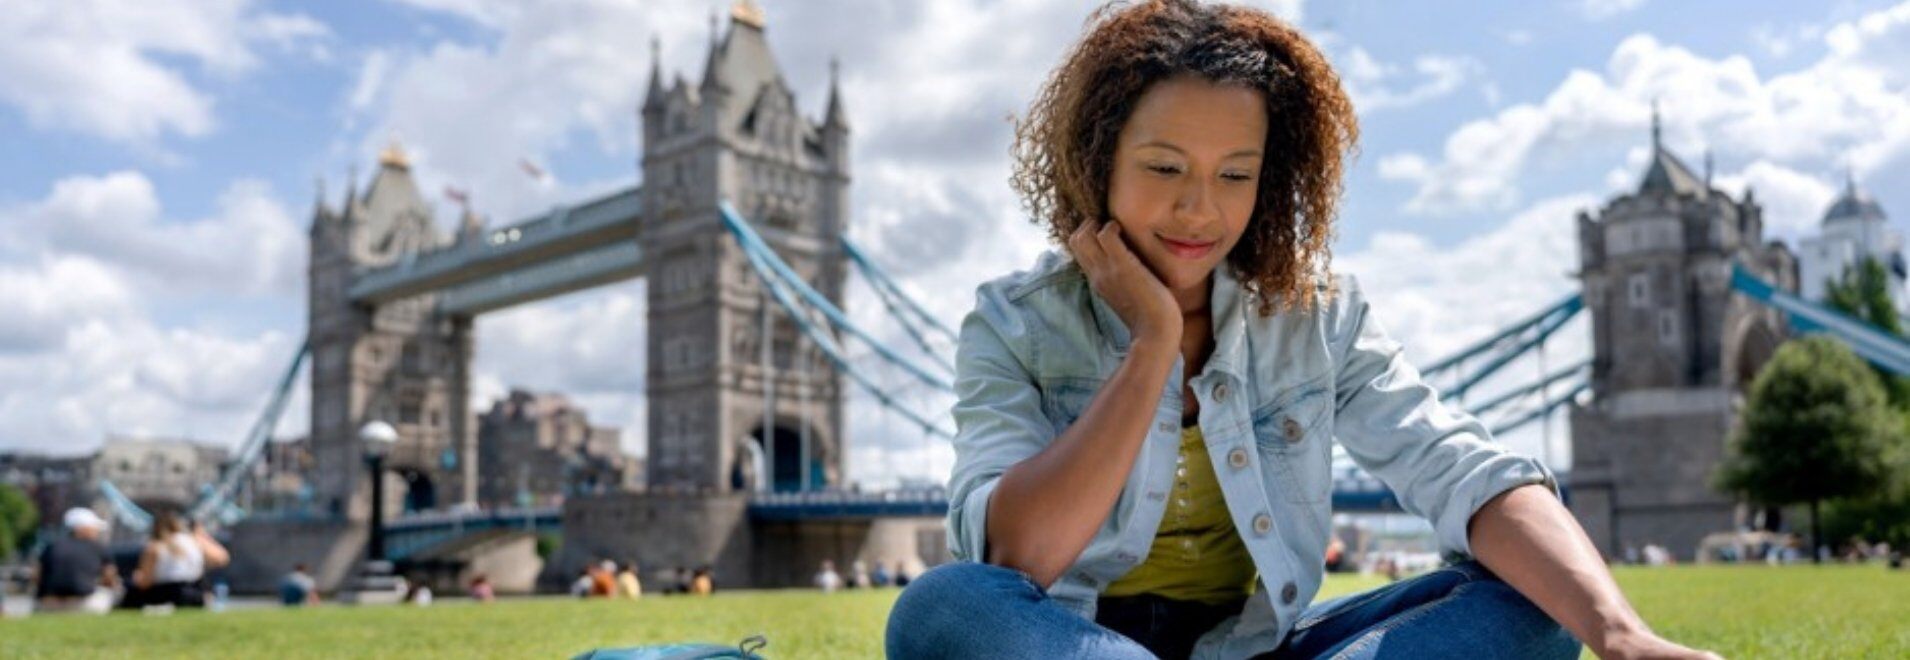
(159, 473)
(53, 483)
(539, 448)
(1854, 228)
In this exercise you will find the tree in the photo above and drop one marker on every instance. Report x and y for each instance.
(18, 518)
(1883, 514)
(1814, 428)
(1863, 292)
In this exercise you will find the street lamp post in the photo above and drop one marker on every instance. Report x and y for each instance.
(377, 439)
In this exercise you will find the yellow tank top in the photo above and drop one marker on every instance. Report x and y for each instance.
(1197, 554)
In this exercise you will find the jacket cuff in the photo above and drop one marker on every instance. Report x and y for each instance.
(1500, 475)
(968, 523)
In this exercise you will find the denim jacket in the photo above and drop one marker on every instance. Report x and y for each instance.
(1274, 396)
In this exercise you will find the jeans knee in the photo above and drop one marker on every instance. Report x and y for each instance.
(1529, 628)
(937, 605)
(963, 581)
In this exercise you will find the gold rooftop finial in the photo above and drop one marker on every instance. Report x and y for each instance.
(747, 13)
(394, 156)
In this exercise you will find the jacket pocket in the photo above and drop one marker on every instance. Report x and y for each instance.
(1063, 400)
(1294, 434)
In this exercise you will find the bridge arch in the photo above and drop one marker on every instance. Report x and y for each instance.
(1753, 339)
(421, 493)
(775, 460)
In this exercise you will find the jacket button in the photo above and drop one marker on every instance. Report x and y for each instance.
(1262, 523)
(1292, 429)
(1288, 593)
(1237, 458)
(1220, 392)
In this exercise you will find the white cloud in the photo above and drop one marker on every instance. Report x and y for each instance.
(46, 298)
(91, 270)
(1376, 85)
(125, 376)
(250, 246)
(371, 81)
(1852, 104)
(1603, 9)
(112, 68)
(1793, 202)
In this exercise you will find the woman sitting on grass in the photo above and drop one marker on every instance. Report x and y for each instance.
(1145, 425)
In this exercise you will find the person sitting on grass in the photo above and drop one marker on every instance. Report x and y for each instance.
(1145, 421)
(628, 586)
(74, 573)
(172, 566)
(298, 588)
(481, 589)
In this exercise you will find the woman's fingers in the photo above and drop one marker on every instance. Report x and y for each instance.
(1086, 249)
(1115, 247)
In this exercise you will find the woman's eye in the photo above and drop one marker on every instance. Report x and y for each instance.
(1237, 176)
(1164, 170)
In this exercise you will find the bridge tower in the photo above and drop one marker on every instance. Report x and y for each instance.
(1673, 354)
(401, 362)
(738, 136)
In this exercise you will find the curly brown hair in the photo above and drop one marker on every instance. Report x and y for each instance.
(1064, 148)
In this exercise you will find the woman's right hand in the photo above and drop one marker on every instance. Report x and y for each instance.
(1119, 277)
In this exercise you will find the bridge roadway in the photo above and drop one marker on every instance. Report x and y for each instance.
(565, 249)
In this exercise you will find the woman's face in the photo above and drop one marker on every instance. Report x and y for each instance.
(1186, 168)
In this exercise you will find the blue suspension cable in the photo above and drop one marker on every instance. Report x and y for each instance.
(753, 244)
(896, 313)
(778, 289)
(882, 280)
(217, 499)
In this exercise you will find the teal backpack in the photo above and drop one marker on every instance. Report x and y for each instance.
(744, 651)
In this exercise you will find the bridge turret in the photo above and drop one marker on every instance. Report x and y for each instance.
(1673, 350)
(709, 317)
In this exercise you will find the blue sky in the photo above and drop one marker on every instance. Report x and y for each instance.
(158, 166)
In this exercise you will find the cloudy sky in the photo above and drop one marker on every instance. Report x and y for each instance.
(159, 163)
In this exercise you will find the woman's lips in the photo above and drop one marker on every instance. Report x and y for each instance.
(1188, 249)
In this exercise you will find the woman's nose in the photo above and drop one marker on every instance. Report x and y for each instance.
(1197, 205)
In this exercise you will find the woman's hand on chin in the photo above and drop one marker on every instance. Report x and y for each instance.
(1130, 288)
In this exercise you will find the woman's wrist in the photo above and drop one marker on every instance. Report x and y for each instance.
(1618, 636)
(1155, 349)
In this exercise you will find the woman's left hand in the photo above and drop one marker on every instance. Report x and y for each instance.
(1647, 644)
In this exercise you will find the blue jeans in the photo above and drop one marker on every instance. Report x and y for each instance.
(974, 610)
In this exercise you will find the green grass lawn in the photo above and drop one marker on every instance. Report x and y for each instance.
(1794, 612)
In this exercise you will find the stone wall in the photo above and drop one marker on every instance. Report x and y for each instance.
(263, 551)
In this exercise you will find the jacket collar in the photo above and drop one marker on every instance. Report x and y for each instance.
(1229, 307)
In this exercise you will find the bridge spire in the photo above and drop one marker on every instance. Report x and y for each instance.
(835, 115)
(1657, 134)
(712, 65)
(351, 191)
(653, 97)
